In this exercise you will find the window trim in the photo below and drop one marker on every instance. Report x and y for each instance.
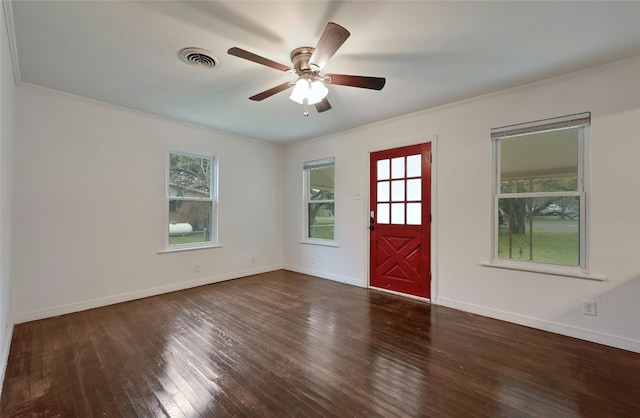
(213, 243)
(307, 166)
(583, 122)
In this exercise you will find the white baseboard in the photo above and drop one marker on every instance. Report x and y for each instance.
(324, 275)
(138, 294)
(5, 354)
(542, 324)
(575, 332)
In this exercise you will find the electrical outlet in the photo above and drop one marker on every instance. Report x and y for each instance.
(589, 307)
(196, 267)
(253, 258)
(313, 260)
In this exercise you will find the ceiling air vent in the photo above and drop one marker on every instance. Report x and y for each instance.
(199, 57)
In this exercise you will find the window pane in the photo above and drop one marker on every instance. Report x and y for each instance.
(557, 184)
(397, 213)
(397, 190)
(397, 168)
(321, 183)
(545, 230)
(383, 191)
(414, 214)
(414, 189)
(189, 176)
(383, 169)
(540, 162)
(189, 221)
(321, 220)
(383, 213)
(414, 165)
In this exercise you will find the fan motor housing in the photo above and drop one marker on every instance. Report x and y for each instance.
(300, 59)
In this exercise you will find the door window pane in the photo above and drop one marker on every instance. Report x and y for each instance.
(397, 190)
(397, 213)
(414, 189)
(397, 168)
(383, 191)
(414, 214)
(383, 169)
(414, 165)
(383, 213)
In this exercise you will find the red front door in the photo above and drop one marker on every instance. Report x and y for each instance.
(400, 220)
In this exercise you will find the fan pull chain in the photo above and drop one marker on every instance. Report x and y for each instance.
(306, 107)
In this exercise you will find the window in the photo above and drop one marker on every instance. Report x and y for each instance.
(191, 199)
(540, 191)
(319, 199)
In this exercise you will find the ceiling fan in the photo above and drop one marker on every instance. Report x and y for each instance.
(309, 88)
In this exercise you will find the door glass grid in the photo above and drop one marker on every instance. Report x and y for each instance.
(399, 190)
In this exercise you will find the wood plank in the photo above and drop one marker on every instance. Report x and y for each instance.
(284, 344)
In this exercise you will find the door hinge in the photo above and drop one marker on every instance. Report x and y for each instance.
(430, 157)
(430, 218)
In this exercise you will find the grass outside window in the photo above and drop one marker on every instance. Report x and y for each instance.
(551, 240)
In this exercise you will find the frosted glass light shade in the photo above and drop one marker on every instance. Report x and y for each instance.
(300, 91)
(313, 91)
(317, 92)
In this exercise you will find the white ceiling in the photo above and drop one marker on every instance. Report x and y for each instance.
(431, 53)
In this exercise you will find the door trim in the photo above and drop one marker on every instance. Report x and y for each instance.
(433, 139)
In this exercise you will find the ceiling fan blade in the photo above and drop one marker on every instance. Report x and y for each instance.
(268, 93)
(374, 83)
(332, 38)
(323, 105)
(241, 53)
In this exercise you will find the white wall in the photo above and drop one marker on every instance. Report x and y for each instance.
(7, 92)
(463, 205)
(90, 208)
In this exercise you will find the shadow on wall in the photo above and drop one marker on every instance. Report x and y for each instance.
(613, 301)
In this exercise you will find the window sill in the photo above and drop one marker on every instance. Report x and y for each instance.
(322, 243)
(557, 271)
(177, 250)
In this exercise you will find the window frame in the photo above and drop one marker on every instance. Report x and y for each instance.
(307, 167)
(213, 199)
(582, 193)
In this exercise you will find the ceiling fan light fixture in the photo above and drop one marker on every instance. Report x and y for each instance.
(313, 91)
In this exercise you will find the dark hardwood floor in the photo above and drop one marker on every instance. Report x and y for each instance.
(284, 344)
